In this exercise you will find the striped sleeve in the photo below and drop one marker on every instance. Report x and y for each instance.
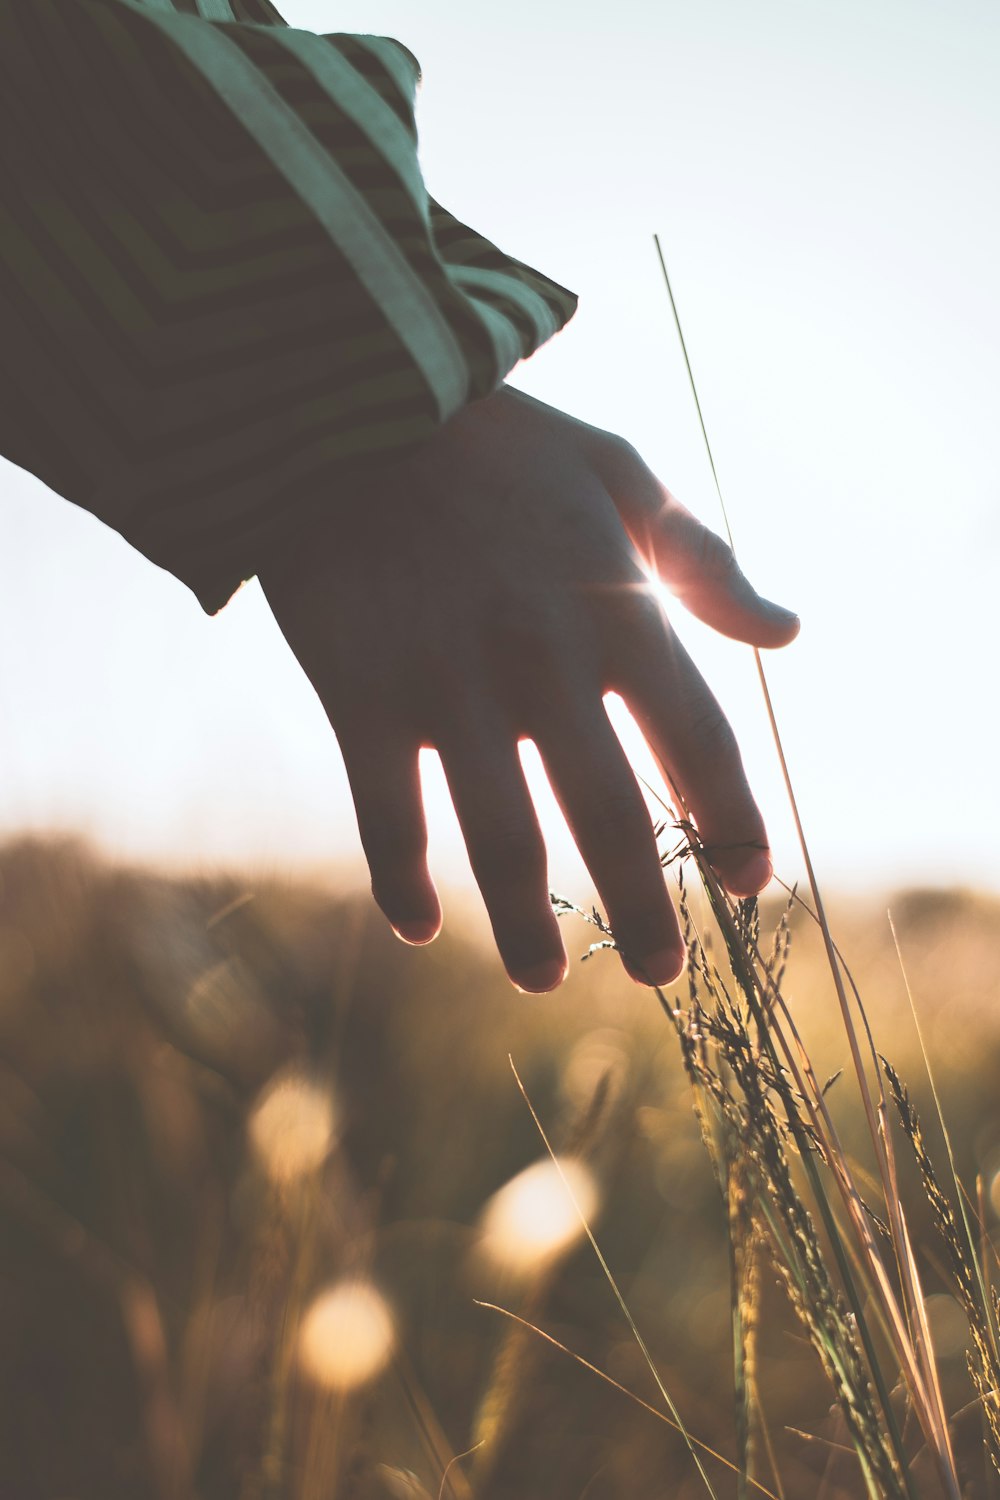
(223, 287)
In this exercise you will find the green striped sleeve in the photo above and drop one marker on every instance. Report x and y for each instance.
(223, 287)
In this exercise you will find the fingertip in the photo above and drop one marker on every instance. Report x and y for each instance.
(657, 969)
(417, 932)
(412, 909)
(783, 625)
(539, 979)
(761, 623)
(734, 608)
(751, 877)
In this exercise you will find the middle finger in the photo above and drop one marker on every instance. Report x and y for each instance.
(605, 809)
(505, 846)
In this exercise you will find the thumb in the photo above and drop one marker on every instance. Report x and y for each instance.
(693, 562)
(701, 570)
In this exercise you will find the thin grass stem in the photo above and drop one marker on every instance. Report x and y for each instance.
(654, 1411)
(911, 1333)
(609, 1276)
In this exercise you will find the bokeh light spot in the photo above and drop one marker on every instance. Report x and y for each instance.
(292, 1127)
(533, 1219)
(347, 1336)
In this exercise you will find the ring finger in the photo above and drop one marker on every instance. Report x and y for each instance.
(505, 845)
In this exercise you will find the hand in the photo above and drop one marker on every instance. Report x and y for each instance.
(489, 588)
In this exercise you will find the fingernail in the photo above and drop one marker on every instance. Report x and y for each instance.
(662, 967)
(540, 978)
(416, 932)
(778, 611)
(752, 877)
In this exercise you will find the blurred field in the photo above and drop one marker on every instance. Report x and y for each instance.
(223, 1097)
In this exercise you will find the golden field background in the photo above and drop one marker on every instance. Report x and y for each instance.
(224, 1097)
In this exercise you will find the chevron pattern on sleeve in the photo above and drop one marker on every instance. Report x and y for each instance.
(223, 287)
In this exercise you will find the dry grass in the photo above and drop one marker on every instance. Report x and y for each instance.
(878, 1288)
(157, 1265)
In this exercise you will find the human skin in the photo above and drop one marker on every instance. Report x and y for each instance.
(492, 586)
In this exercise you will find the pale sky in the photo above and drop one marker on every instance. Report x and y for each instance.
(823, 179)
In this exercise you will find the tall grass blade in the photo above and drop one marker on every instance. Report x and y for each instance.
(986, 1301)
(911, 1334)
(654, 1411)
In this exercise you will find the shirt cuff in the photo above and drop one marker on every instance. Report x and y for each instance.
(224, 289)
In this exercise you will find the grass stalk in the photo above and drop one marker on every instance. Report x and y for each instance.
(654, 1411)
(903, 1304)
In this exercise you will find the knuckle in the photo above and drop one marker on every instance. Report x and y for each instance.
(715, 556)
(615, 452)
(523, 628)
(623, 450)
(648, 617)
(504, 853)
(389, 846)
(712, 735)
(641, 927)
(638, 645)
(619, 819)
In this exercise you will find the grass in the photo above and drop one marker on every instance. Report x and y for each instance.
(760, 1106)
(774, 1099)
(156, 1269)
